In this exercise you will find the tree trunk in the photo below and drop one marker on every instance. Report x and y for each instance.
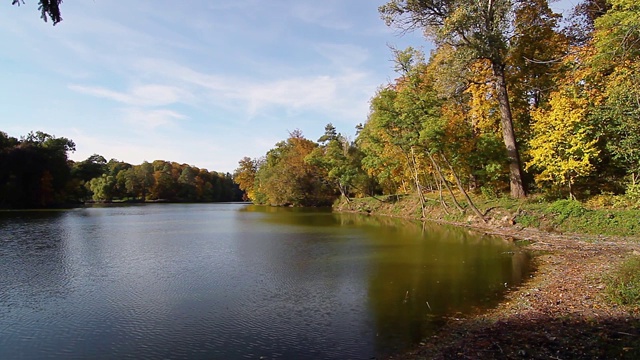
(444, 181)
(508, 134)
(413, 166)
(343, 192)
(464, 192)
(441, 197)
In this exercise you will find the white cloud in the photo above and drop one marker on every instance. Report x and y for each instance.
(343, 55)
(320, 13)
(157, 95)
(142, 95)
(329, 93)
(100, 92)
(143, 119)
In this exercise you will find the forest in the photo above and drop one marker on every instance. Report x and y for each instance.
(513, 101)
(35, 172)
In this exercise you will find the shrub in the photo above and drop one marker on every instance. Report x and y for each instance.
(602, 201)
(489, 193)
(632, 195)
(527, 220)
(564, 209)
(623, 287)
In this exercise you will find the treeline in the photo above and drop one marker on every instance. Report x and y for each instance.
(35, 172)
(512, 100)
(300, 172)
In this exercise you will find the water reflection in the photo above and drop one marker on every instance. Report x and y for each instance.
(235, 281)
(413, 274)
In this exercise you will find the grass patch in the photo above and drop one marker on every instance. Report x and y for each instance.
(564, 209)
(533, 212)
(623, 287)
(527, 220)
(605, 222)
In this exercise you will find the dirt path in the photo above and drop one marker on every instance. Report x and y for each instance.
(560, 313)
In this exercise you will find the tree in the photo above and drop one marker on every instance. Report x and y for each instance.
(616, 64)
(338, 159)
(139, 180)
(94, 166)
(381, 160)
(582, 20)
(286, 179)
(49, 9)
(34, 171)
(102, 187)
(6, 141)
(163, 184)
(563, 146)
(245, 177)
(475, 30)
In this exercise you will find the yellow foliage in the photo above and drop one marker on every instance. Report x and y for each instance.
(483, 104)
(562, 147)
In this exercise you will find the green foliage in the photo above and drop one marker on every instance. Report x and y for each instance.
(36, 173)
(527, 220)
(563, 209)
(618, 31)
(623, 286)
(339, 161)
(285, 178)
(470, 31)
(489, 193)
(34, 170)
(601, 222)
(102, 188)
(633, 192)
(613, 69)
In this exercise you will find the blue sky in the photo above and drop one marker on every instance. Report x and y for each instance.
(202, 82)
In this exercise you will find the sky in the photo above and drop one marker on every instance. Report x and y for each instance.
(199, 82)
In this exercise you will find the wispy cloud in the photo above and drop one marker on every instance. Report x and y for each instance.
(343, 55)
(140, 95)
(329, 93)
(320, 13)
(143, 119)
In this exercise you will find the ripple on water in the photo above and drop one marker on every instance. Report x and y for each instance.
(183, 282)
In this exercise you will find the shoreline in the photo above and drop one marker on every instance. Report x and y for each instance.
(561, 312)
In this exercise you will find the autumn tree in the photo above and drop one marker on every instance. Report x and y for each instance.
(616, 60)
(475, 30)
(245, 177)
(139, 179)
(534, 62)
(339, 160)
(382, 160)
(286, 179)
(563, 147)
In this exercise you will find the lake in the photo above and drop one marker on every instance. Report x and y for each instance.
(236, 281)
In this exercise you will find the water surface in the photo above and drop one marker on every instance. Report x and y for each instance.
(235, 281)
